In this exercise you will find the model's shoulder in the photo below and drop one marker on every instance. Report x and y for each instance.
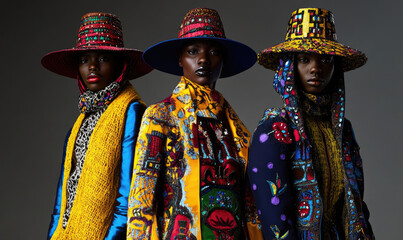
(136, 107)
(274, 128)
(348, 132)
(160, 110)
(347, 124)
(273, 115)
(163, 105)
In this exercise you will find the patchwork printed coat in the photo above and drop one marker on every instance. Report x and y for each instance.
(281, 171)
(165, 199)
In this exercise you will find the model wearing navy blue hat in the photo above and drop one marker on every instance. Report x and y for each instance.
(189, 170)
(164, 55)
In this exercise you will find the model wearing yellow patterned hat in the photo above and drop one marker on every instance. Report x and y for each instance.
(312, 30)
(304, 163)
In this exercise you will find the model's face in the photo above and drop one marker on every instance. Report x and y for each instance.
(202, 62)
(98, 69)
(315, 71)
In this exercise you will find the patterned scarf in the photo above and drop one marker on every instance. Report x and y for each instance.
(316, 105)
(206, 101)
(327, 161)
(91, 101)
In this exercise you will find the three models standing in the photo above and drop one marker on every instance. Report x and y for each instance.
(187, 175)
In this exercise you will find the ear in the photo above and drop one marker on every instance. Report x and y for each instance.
(180, 62)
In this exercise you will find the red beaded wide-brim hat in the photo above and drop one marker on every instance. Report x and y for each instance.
(100, 32)
(312, 30)
(200, 23)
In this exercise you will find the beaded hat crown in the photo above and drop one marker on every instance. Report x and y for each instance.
(312, 30)
(98, 32)
(200, 23)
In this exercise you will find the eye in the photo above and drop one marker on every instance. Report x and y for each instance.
(192, 51)
(327, 59)
(103, 59)
(215, 52)
(83, 60)
(303, 59)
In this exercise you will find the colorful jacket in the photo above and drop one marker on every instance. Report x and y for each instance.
(164, 201)
(130, 109)
(281, 171)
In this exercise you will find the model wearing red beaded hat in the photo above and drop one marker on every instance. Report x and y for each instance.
(91, 201)
(189, 175)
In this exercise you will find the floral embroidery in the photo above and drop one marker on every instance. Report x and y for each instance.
(276, 232)
(281, 132)
(276, 190)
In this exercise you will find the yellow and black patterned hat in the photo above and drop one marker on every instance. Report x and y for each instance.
(312, 30)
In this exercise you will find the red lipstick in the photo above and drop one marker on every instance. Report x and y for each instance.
(92, 78)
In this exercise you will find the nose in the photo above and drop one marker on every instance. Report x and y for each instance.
(93, 65)
(204, 58)
(315, 66)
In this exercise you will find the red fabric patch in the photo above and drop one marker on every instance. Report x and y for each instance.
(154, 145)
(296, 135)
(195, 137)
(281, 132)
(181, 228)
(303, 209)
(221, 219)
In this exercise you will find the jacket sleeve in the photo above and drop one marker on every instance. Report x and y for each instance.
(358, 175)
(58, 201)
(150, 153)
(270, 180)
(118, 226)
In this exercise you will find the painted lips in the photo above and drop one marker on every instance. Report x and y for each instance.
(315, 82)
(203, 72)
(92, 78)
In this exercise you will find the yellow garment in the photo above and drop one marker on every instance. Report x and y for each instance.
(176, 116)
(93, 208)
(328, 168)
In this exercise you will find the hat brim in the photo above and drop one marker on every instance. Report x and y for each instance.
(164, 56)
(352, 58)
(65, 62)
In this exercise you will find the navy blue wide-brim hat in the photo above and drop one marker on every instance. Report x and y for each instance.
(205, 24)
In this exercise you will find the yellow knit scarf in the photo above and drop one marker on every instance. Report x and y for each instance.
(93, 208)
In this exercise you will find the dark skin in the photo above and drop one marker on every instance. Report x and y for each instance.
(99, 68)
(315, 71)
(202, 62)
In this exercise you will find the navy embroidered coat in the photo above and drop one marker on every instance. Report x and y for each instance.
(281, 171)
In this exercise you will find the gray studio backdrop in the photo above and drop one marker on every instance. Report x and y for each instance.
(38, 107)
